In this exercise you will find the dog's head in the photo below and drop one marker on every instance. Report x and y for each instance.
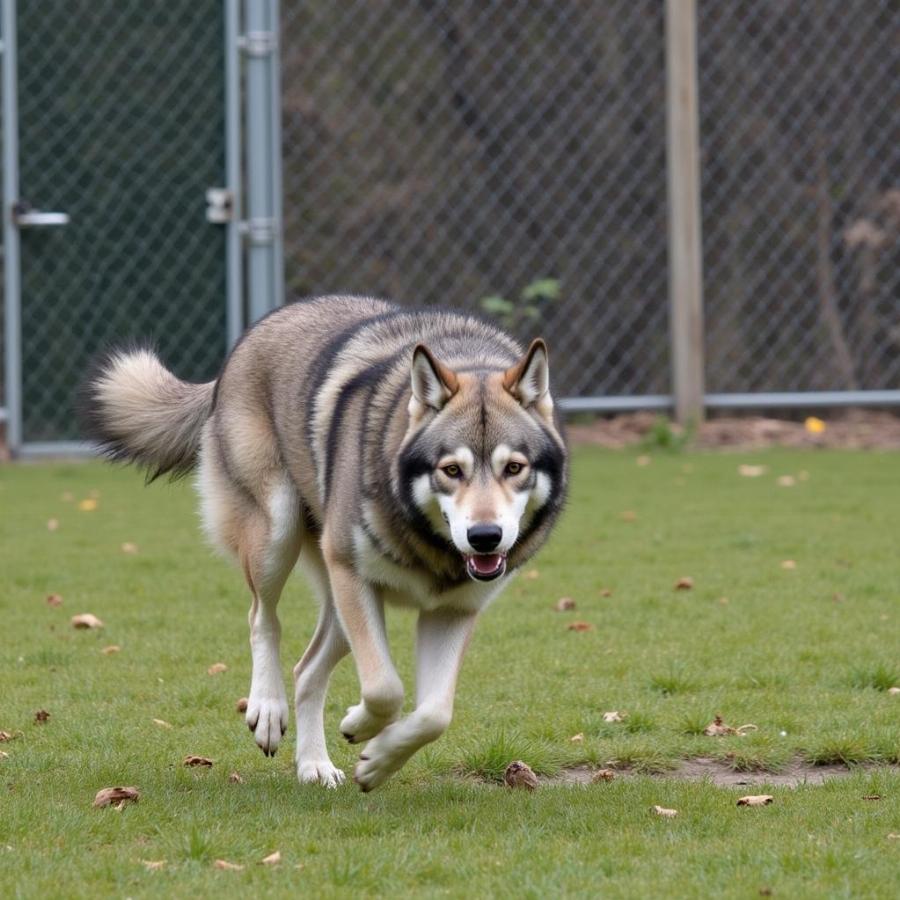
(483, 460)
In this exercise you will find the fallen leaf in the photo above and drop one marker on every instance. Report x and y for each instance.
(894, 690)
(564, 604)
(602, 775)
(520, 775)
(230, 866)
(54, 600)
(195, 761)
(4, 754)
(532, 574)
(765, 892)
(580, 626)
(41, 716)
(128, 547)
(893, 837)
(87, 505)
(577, 738)
(643, 460)
(814, 425)
(752, 471)
(723, 601)
(52, 524)
(789, 565)
(112, 648)
(717, 728)
(664, 812)
(116, 796)
(755, 800)
(7, 736)
(241, 705)
(606, 592)
(235, 778)
(216, 668)
(86, 620)
(67, 496)
(272, 859)
(872, 797)
(685, 583)
(152, 865)
(786, 481)
(629, 516)
(614, 716)
(162, 723)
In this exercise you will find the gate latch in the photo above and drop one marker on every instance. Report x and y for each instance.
(25, 217)
(219, 205)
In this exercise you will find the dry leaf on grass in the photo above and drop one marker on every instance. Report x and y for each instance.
(788, 564)
(216, 668)
(664, 812)
(685, 583)
(112, 648)
(564, 604)
(643, 460)
(241, 705)
(577, 738)
(52, 524)
(235, 778)
(128, 547)
(752, 471)
(86, 620)
(4, 754)
(162, 723)
(602, 775)
(229, 866)
(755, 800)
(892, 836)
(606, 592)
(41, 716)
(629, 516)
(580, 626)
(272, 859)
(116, 796)
(786, 481)
(893, 691)
(872, 797)
(88, 505)
(153, 865)
(718, 728)
(520, 775)
(8, 736)
(54, 600)
(614, 716)
(723, 601)
(195, 761)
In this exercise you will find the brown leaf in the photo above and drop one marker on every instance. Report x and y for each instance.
(52, 524)
(788, 565)
(194, 761)
(614, 716)
(41, 716)
(685, 583)
(786, 481)
(235, 778)
(520, 775)
(893, 691)
(54, 600)
(88, 505)
(602, 775)
(229, 866)
(580, 626)
(872, 797)
(564, 604)
(112, 648)
(752, 471)
(664, 812)
(606, 592)
(272, 859)
(755, 800)
(86, 620)
(629, 516)
(7, 736)
(162, 723)
(128, 547)
(723, 601)
(577, 738)
(241, 705)
(4, 754)
(718, 728)
(153, 865)
(116, 796)
(216, 668)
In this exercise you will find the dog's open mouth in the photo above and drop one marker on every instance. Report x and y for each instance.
(486, 566)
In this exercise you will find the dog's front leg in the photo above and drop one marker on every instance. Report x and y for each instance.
(441, 640)
(361, 614)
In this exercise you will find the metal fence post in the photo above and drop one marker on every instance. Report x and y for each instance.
(12, 286)
(263, 155)
(685, 245)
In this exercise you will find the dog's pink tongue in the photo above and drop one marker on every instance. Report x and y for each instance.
(487, 564)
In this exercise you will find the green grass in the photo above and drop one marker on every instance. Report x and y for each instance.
(807, 655)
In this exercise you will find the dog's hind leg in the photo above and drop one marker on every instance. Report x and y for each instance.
(327, 647)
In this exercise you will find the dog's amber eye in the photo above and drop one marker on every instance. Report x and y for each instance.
(513, 468)
(452, 471)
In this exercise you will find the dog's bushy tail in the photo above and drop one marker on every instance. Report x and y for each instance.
(137, 411)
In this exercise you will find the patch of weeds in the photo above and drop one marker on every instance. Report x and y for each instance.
(756, 755)
(675, 681)
(489, 761)
(644, 760)
(843, 750)
(881, 677)
(197, 847)
(666, 435)
(638, 722)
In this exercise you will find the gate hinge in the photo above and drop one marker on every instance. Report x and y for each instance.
(260, 230)
(258, 43)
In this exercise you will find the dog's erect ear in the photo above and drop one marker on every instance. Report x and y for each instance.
(529, 379)
(433, 384)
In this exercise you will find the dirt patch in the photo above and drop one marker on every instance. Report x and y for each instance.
(715, 771)
(853, 429)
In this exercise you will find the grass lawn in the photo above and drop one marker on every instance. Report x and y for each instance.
(806, 653)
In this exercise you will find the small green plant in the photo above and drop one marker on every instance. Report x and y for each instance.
(530, 307)
(667, 435)
(881, 677)
(489, 761)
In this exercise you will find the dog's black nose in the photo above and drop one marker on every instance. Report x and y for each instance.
(484, 538)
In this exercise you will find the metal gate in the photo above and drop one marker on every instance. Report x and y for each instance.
(121, 182)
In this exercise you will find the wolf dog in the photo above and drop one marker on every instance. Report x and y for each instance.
(404, 456)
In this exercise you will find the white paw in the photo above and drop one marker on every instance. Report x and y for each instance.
(376, 764)
(319, 771)
(267, 718)
(360, 725)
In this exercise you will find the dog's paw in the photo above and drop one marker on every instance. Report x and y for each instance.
(360, 725)
(375, 766)
(267, 718)
(319, 771)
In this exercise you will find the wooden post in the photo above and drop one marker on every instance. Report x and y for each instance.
(685, 245)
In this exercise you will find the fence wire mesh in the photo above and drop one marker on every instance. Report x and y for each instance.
(800, 138)
(496, 157)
